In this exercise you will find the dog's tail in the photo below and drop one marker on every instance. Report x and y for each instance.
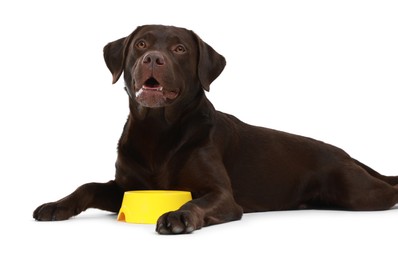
(392, 180)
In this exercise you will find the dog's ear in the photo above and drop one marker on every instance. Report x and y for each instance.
(114, 57)
(210, 64)
(115, 54)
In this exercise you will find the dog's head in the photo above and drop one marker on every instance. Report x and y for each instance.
(163, 64)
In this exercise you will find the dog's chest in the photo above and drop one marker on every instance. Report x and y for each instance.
(157, 155)
(155, 162)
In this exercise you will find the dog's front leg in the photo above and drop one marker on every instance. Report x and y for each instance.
(213, 208)
(106, 196)
(213, 203)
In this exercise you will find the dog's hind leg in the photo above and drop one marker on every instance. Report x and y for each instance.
(355, 188)
(392, 180)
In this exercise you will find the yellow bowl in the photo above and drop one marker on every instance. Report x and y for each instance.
(146, 206)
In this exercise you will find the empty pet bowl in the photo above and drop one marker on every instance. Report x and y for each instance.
(146, 206)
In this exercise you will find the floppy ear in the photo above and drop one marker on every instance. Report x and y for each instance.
(210, 64)
(115, 53)
(114, 58)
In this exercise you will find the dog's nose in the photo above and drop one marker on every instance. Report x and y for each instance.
(153, 59)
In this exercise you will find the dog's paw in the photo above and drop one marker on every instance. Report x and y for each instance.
(53, 211)
(177, 222)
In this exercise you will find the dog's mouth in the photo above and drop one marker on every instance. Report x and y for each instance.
(153, 94)
(152, 84)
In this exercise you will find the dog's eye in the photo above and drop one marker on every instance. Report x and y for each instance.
(141, 44)
(179, 49)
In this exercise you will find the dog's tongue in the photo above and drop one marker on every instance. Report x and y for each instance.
(152, 87)
(158, 91)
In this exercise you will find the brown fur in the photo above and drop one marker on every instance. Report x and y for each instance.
(175, 139)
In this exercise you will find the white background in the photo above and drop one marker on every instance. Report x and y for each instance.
(324, 69)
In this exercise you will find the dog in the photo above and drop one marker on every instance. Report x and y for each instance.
(174, 139)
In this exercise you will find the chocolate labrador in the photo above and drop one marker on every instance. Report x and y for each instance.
(174, 139)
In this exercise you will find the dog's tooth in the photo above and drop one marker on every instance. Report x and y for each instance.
(138, 92)
(161, 89)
